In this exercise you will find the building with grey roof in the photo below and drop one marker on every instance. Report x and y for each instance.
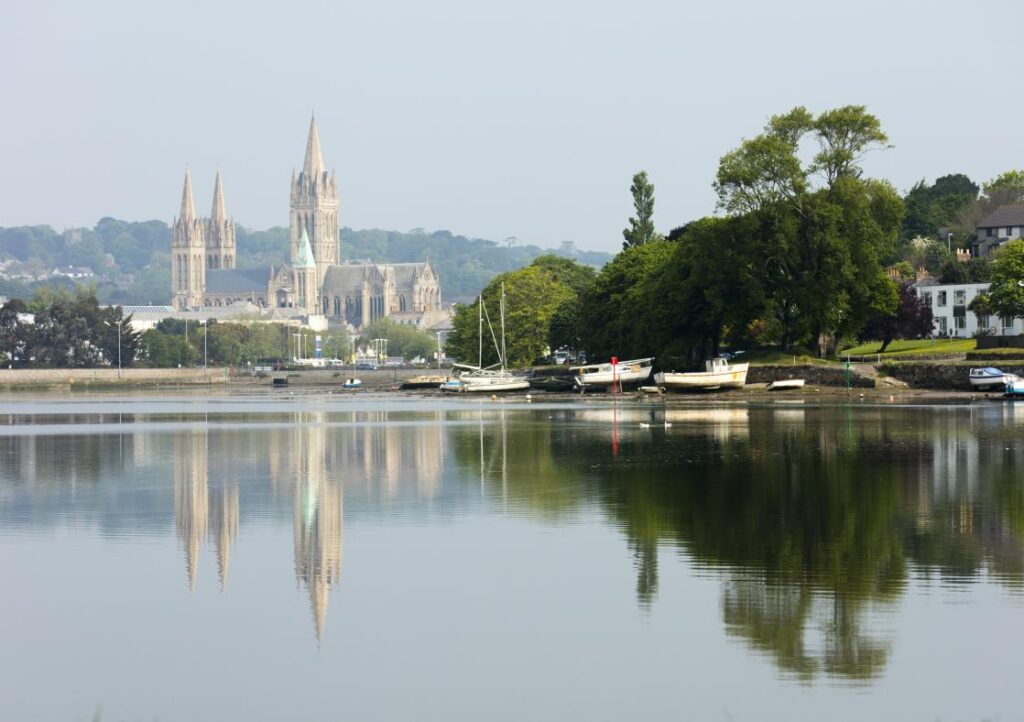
(1002, 225)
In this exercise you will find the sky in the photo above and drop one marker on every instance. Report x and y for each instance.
(523, 119)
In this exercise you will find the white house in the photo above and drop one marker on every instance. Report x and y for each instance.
(950, 314)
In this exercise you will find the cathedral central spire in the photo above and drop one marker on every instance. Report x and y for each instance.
(188, 206)
(314, 158)
(219, 212)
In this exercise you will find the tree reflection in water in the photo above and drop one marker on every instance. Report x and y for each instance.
(810, 517)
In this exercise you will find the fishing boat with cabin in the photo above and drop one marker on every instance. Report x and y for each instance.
(718, 374)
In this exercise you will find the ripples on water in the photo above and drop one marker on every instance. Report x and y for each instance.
(814, 540)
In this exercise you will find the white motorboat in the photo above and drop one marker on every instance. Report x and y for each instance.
(493, 379)
(783, 384)
(720, 374)
(1014, 386)
(622, 373)
(989, 378)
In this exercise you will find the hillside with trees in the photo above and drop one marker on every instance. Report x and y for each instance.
(129, 262)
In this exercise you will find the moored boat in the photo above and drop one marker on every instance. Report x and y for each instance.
(719, 374)
(1014, 387)
(783, 384)
(493, 379)
(604, 375)
(989, 377)
(352, 384)
(552, 383)
(423, 382)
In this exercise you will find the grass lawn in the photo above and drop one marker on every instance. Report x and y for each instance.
(777, 358)
(920, 347)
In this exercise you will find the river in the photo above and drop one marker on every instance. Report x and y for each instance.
(260, 556)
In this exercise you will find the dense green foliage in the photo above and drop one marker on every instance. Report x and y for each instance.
(533, 296)
(911, 318)
(798, 259)
(132, 260)
(175, 342)
(405, 341)
(1006, 293)
(939, 205)
(69, 329)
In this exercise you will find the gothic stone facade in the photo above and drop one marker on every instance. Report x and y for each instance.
(315, 282)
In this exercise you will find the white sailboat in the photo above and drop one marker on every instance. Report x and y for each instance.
(493, 379)
(719, 374)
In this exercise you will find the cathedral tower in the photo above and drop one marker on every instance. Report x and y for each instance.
(314, 207)
(188, 253)
(220, 232)
(306, 286)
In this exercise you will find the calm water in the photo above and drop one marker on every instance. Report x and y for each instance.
(378, 558)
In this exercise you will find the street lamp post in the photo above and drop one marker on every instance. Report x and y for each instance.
(206, 333)
(119, 322)
(438, 350)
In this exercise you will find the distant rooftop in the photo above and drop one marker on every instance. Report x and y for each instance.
(1004, 216)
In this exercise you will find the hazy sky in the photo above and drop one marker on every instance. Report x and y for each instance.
(521, 119)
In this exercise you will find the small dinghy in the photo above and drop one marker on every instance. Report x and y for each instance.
(352, 384)
(784, 384)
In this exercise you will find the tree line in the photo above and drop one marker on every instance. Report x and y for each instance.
(806, 251)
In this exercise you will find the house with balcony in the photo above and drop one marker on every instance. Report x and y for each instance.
(1002, 225)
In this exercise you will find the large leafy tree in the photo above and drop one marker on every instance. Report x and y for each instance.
(641, 226)
(613, 308)
(911, 318)
(533, 295)
(1007, 289)
(824, 229)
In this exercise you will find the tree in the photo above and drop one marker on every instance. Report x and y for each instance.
(911, 317)
(1007, 289)
(641, 227)
(821, 244)
(533, 296)
(981, 305)
(405, 341)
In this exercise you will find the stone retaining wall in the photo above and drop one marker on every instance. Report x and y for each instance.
(814, 375)
(128, 377)
(939, 376)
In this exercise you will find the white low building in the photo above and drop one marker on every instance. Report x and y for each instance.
(951, 317)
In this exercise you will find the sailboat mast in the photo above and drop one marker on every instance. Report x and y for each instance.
(502, 326)
(480, 331)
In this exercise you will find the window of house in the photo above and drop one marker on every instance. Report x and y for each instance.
(982, 323)
(988, 232)
(959, 298)
(943, 324)
(1007, 321)
(927, 298)
(942, 299)
(1009, 230)
(960, 323)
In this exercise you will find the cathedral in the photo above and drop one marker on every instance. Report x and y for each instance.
(316, 284)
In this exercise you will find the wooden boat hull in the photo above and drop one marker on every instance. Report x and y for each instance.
(734, 377)
(552, 383)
